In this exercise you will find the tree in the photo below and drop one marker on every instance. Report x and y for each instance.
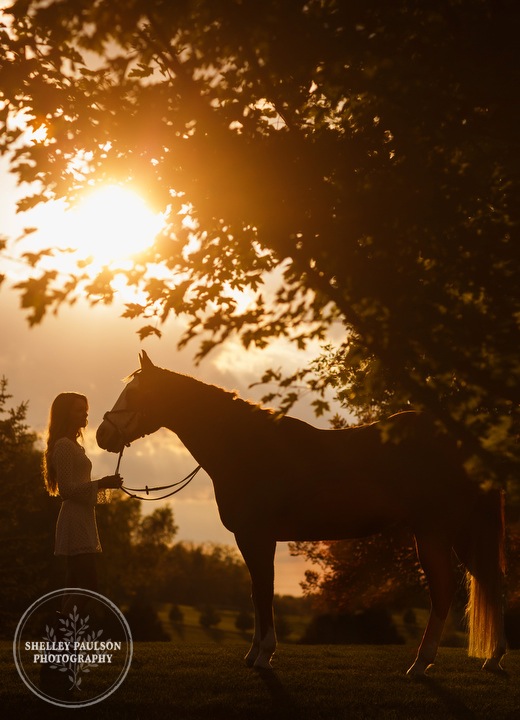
(151, 544)
(360, 158)
(157, 529)
(355, 575)
(144, 621)
(119, 522)
(205, 574)
(176, 615)
(209, 617)
(27, 517)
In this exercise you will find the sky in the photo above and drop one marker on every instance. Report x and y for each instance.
(90, 349)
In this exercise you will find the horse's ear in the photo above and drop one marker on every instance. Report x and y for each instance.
(145, 361)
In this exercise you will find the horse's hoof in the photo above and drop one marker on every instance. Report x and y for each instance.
(250, 658)
(263, 661)
(262, 665)
(493, 665)
(418, 669)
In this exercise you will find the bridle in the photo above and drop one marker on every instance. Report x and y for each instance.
(179, 485)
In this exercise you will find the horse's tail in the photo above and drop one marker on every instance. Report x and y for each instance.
(485, 576)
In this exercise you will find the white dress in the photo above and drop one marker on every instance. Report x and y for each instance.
(76, 529)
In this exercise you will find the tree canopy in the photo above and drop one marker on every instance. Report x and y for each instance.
(346, 166)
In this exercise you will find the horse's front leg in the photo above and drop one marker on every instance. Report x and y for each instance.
(258, 554)
(435, 557)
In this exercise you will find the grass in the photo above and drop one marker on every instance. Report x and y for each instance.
(208, 681)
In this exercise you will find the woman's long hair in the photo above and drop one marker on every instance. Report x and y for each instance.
(59, 426)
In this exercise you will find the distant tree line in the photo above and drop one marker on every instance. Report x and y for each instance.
(140, 557)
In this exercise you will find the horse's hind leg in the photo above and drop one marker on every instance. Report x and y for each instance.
(258, 554)
(492, 610)
(435, 556)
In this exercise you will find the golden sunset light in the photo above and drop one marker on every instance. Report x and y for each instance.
(111, 224)
(259, 359)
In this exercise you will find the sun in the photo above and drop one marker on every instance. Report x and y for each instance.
(112, 223)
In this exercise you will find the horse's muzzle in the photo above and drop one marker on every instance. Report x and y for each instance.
(108, 438)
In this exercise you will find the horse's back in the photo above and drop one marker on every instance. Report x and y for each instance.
(357, 480)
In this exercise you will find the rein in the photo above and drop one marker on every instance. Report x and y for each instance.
(179, 485)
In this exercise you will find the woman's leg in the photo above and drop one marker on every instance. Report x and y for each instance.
(82, 571)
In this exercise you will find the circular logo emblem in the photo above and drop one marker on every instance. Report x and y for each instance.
(73, 647)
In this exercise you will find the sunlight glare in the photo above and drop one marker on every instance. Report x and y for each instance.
(113, 223)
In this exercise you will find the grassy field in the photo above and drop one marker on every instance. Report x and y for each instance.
(209, 681)
(225, 632)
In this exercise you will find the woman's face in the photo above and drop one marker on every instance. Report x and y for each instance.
(78, 414)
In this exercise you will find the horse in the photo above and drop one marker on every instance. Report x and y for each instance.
(281, 479)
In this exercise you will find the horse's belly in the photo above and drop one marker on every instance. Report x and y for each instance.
(337, 521)
(310, 510)
(314, 531)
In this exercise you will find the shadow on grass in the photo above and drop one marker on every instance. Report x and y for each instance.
(453, 705)
(282, 700)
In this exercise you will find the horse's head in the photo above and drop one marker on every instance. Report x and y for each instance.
(131, 417)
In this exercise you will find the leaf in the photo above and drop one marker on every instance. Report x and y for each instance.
(148, 330)
(320, 407)
(27, 203)
(133, 310)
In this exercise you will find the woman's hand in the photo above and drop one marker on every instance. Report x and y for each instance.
(113, 482)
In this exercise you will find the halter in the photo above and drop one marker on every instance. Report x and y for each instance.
(179, 485)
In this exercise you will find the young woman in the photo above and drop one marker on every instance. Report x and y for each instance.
(66, 471)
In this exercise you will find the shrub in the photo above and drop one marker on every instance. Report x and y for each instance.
(372, 627)
(144, 621)
(209, 617)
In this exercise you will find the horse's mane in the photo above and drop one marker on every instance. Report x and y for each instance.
(219, 396)
(130, 377)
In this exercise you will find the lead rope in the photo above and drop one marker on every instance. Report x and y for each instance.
(180, 484)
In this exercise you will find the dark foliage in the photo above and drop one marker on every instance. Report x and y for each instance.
(209, 617)
(144, 622)
(27, 518)
(369, 627)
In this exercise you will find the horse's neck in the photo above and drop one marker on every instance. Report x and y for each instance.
(189, 401)
(206, 417)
